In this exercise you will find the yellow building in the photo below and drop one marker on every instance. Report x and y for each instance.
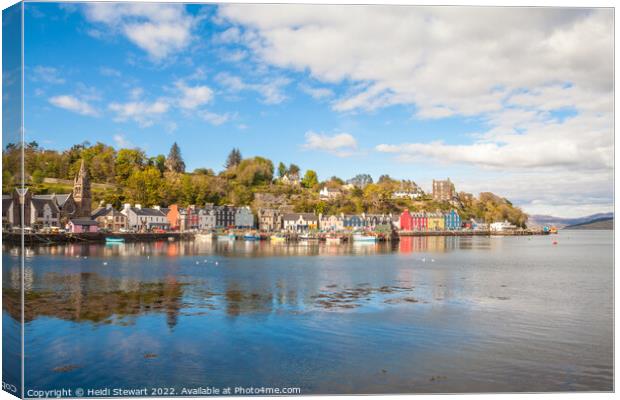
(436, 222)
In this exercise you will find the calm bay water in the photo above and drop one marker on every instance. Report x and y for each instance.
(424, 315)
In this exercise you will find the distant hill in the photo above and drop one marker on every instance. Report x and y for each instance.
(541, 220)
(598, 224)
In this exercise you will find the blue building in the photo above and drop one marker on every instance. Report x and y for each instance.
(353, 222)
(452, 220)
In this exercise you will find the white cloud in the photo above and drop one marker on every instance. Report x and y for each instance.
(540, 80)
(141, 112)
(107, 71)
(46, 74)
(341, 144)
(271, 90)
(317, 93)
(159, 29)
(121, 141)
(74, 104)
(216, 119)
(193, 96)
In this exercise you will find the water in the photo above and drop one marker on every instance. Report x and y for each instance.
(426, 315)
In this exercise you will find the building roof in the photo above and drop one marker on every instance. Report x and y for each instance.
(148, 212)
(39, 202)
(104, 211)
(84, 221)
(6, 202)
(295, 216)
(61, 199)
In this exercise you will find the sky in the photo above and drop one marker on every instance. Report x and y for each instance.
(517, 101)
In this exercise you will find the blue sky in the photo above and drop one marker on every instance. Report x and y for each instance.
(414, 92)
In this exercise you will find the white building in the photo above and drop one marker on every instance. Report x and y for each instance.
(406, 194)
(244, 217)
(332, 222)
(145, 219)
(329, 193)
(206, 218)
(300, 222)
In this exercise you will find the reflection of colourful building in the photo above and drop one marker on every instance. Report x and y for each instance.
(436, 222)
(452, 220)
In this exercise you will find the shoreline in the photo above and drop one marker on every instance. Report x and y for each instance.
(97, 237)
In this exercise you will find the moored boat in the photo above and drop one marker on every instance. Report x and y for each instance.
(251, 236)
(111, 239)
(226, 236)
(278, 238)
(333, 240)
(204, 236)
(362, 238)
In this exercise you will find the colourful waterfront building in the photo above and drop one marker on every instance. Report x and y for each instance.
(452, 220)
(419, 221)
(406, 222)
(436, 221)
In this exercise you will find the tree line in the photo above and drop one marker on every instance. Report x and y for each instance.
(134, 177)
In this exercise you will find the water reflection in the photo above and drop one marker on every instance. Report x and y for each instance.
(240, 248)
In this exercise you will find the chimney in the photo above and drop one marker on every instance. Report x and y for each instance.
(157, 207)
(108, 206)
(138, 206)
(126, 206)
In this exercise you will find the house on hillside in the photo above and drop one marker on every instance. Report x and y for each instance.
(269, 220)
(329, 193)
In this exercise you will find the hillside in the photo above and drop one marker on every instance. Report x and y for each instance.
(598, 224)
(559, 222)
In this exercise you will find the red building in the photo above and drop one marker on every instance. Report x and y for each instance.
(419, 221)
(406, 222)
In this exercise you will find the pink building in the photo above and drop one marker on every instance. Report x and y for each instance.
(80, 225)
(419, 221)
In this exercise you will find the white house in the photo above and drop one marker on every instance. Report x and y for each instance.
(206, 218)
(332, 222)
(145, 219)
(244, 217)
(300, 222)
(406, 194)
(329, 193)
(44, 211)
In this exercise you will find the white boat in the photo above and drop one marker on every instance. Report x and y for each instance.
(226, 236)
(204, 236)
(332, 240)
(358, 237)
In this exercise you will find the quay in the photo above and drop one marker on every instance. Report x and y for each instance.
(100, 237)
(89, 237)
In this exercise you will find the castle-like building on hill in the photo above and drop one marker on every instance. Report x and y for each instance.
(81, 193)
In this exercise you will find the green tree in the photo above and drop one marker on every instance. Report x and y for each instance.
(174, 162)
(281, 169)
(255, 171)
(127, 161)
(293, 170)
(234, 158)
(145, 186)
(310, 179)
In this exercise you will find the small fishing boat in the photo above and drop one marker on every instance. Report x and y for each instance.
(278, 238)
(226, 236)
(110, 239)
(251, 237)
(359, 237)
(333, 240)
(204, 236)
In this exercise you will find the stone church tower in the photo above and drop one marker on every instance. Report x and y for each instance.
(81, 193)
